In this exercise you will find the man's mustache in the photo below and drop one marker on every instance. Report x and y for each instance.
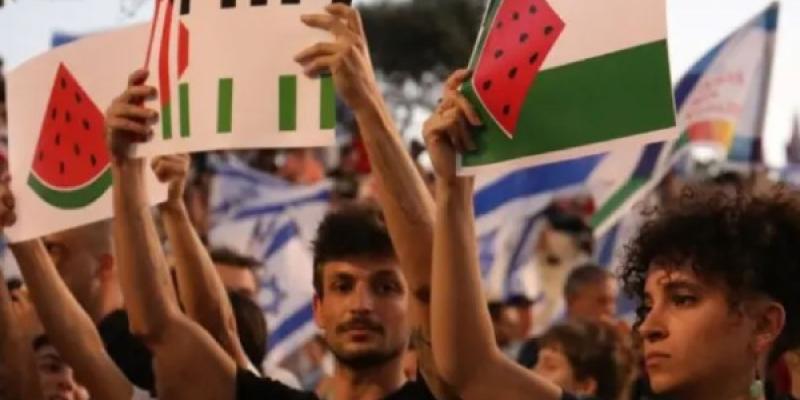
(360, 324)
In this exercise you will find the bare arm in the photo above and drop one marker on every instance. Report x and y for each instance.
(183, 351)
(463, 339)
(16, 339)
(408, 206)
(69, 328)
(201, 290)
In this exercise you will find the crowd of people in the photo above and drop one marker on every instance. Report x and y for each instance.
(105, 313)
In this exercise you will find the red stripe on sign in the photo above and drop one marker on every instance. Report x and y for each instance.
(152, 33)
(183, 49)
(163, 58)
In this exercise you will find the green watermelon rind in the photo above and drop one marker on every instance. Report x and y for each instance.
(71, 199)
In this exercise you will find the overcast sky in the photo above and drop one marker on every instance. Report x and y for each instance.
(26, 27)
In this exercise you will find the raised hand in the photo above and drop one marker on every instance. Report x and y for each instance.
(174, 170)
(447, 131)
(8, 215)
(346, 58)
(128, 121)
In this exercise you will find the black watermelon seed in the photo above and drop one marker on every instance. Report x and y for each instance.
(61, 167)
(515, 16)
(498, 53)
(487, 85)
(58, 139)
(77, 149)
(41, 155)
(506, 109)
(63, 83)
(53, 113)
(93, 160)
(523, 38)
(532, 9)
(500, 25)
(512, 73)
(86, 124)
(78, 97)
(68, 117)
(548, 30)
(534, 58)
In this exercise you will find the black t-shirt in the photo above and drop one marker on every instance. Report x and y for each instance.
(251, 387)
(127, 351)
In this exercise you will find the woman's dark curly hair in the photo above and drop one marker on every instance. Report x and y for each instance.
(748, 243)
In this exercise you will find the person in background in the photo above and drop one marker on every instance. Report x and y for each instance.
(56, 377)
(237, 272)
(588, 358)
(591, 293)
(252, 329)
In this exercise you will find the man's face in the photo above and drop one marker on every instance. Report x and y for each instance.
(76, 263)
(595, 301)
(238, 279)
(55, 376)
(692, 337)
(363, 311)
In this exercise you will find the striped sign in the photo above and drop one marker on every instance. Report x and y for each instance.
(227, 77)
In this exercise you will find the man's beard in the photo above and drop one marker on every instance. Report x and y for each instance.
(366, 360)
(369, 358)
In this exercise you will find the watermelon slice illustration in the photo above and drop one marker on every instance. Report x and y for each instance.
(519, 38)
(71, 165)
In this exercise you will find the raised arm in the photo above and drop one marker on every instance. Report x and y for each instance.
(69, 328)
(408, 206)
(200, 288)
(16, 344)
(188, 363)
(463, 340)
(16, 352)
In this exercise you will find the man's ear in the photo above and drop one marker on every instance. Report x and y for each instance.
(318, 318)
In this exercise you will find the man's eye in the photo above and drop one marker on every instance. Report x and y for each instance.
(387, 287)
(341, 286)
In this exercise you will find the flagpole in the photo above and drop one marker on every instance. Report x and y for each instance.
(769, 55)
(758, 166)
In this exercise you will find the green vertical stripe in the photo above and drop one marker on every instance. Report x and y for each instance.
(609, 97)
(166, 121)
(287, 100)
(225, 106)
(327, 106)
(183, 98)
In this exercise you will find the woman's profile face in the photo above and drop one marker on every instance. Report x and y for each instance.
(693, 339)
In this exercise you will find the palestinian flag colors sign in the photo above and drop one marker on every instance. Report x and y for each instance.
(58, 153)
(559, 79)
(227, 78)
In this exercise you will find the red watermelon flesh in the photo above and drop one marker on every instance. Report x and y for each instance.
(71, 162)
(520, 37)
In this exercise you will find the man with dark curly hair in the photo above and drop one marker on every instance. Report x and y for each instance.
(716, 276)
